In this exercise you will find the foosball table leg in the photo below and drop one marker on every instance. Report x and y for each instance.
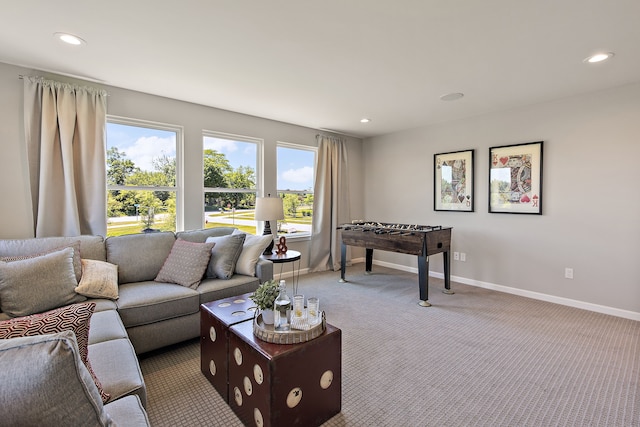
(447, 273)
(368, 264)
(423, 281)
(343, 263)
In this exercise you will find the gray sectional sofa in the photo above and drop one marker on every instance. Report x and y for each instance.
(147, 314)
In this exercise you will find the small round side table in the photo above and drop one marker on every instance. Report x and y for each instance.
(290, 256)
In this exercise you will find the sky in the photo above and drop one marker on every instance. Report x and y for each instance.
(142, 145)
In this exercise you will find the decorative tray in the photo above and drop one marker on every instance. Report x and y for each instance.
(294, 336)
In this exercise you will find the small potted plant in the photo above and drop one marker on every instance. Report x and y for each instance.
(264, 297)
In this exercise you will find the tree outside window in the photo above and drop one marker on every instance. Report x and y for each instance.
(230, 165)
(296, 175)
(141, 176)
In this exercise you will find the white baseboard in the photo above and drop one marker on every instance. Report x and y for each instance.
(515, 291)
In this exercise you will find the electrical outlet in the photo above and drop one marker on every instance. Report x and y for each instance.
(568, 273)
(456, 256)
(463, 256)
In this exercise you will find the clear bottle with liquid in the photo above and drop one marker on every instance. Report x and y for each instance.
(282, 309)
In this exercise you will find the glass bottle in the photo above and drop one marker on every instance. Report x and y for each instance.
(282, 309)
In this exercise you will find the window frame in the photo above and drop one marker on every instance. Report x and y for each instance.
(279, 192)
(179, 187)
(259, 170)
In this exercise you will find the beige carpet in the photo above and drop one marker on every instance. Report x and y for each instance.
(475, 358)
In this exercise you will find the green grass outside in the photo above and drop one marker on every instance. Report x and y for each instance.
(132, 227)
(136, 227)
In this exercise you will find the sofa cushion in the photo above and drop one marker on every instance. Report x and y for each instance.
(147, 302)
(186, 263)
(77, 265)
(252, 248)
(127, 411)
(139, 257)
(215, 289)
(224, 255)
(47, 383)
(99, 279)
(75, 318)
(115, 361)
(105, 326)
(200, 236)
(91, 247)
(37, 284)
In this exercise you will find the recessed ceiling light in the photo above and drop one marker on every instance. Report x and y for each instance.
(598, 57)
(365, 120)
(451, 96)
(70, 39)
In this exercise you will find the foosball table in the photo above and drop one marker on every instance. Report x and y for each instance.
(419, 240)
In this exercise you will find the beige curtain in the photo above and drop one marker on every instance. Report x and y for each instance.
(65, 136)
(331, 203)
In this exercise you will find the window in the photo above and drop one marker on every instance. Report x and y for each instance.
(230, 164)
(296, 174)
(142, 176)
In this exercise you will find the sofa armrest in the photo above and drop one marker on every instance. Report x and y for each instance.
(264, 270)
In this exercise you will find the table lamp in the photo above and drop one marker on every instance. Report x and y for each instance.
(268, 209)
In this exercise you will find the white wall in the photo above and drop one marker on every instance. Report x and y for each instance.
(15, 209)
(591, 219)
(591, 205)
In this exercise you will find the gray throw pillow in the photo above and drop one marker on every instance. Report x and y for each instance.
(186, 263)
(75, 318)
(38, 284)
(224, 255)
(47, 383)
(77, 266)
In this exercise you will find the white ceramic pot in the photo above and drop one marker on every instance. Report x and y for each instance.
(267, 317)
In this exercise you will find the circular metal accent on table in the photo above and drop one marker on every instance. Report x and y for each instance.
(248, 387)
(257, 374)
(294, 397)
(257, 417)
(326, 379)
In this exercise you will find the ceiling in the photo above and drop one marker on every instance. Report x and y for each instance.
(327, 64)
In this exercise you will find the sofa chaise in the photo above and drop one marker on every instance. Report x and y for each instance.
(145, 292)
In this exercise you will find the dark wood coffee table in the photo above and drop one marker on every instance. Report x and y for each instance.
(269, 384)
(284, 384)
(215, 319)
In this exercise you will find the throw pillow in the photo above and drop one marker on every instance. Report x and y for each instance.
(38, 284)
(99, 279)
(224, 255)
(77, 266)
(46, 383)
(252, 248)
(186, 263)
(75, 318)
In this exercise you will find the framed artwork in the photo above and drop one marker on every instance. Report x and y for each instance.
(515, 178)
(453, 181)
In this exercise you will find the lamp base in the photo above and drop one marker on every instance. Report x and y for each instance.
(269, 249)
(267, 230)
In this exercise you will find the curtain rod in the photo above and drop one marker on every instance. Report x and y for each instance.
(338, 133)
(21, 77)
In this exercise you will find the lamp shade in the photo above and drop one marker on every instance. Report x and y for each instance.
(269, 208)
